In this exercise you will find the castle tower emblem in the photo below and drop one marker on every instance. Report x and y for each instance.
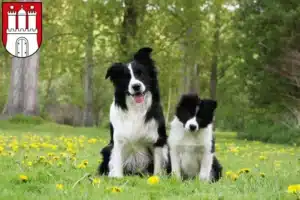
(22, 27)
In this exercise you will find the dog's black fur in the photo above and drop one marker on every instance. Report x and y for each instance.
(144, 70)
(186, 109)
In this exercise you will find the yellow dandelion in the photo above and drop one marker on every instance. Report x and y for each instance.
(234, 149)
(49, 162)
(85, 162)
(64, 155)
(10, 153)
(228, 173)
(263, 175)
(50, 154)
(152, 180)
(96, 181)
(92, 141)
(23, 178)
(294, 188)
(282, 150)
(54, 147)
(70, 145)
(262, 158)
(15, 148)
(73, 158)
(29, 163)
(231, 175)
(234, 176)
(34, 146)
(55, 157)
(115, 189)
(59, 186)
(81, 166)
(42, 158)
(244, 171)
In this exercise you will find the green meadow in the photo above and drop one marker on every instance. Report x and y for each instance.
(49, 161)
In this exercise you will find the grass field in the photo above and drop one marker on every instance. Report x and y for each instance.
(49, 161)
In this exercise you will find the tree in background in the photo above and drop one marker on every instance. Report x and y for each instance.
(242, 53)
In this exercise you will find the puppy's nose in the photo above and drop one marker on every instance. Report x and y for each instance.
(136, 87)
(193, 127)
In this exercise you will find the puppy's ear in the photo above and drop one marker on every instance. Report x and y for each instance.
(189, 99)
(209, 104)
(113, 71)
(143, 54)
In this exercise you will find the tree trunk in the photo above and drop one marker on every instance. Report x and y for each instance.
(15, 104)
(134, 10)
(215, 57)
(169, 100)
(88, 85)
(214, 64)
(184, 73)
(49, 93)
(31, 71)
(194, 85)
(4, 76)
(187, 59)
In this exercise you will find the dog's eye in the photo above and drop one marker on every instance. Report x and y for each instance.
(138, 72)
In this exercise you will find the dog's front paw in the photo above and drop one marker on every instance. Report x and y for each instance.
(113, 174)
(177, 175)
(204, 176)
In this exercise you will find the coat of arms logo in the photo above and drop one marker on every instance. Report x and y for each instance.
(22, 27)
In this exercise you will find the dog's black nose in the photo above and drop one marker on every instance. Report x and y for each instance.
(192, 127)
(136, 87)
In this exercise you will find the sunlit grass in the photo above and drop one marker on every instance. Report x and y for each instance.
(49, 161)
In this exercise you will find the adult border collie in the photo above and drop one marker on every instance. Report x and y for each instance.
(138, 139)
(191, 140)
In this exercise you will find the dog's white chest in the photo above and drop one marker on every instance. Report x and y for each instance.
(190, 147)
(136, 136)
(190, 152)
(133, 128)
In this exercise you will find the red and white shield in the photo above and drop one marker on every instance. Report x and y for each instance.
(22, 27)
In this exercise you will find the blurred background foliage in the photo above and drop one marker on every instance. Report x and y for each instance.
(243, 53)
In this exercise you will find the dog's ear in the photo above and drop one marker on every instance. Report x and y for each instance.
(209, 104)
(189, 98)
(143, 55)
(114, 70)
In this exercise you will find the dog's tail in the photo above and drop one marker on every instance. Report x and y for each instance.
(216, 170)
(103, 168)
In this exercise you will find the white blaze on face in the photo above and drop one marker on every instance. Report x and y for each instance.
(133, 81)
(192, 122)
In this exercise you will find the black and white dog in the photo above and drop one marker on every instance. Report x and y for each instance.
(138, 143)
(191, 140)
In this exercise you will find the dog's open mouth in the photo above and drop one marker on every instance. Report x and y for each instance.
(138, 97)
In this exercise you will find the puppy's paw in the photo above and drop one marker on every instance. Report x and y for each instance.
(177, 175)
(204, 177)
(113, 174)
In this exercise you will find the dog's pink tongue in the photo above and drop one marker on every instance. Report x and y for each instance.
(139, 98)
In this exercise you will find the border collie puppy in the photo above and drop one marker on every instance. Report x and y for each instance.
(138, 139)
(191, 140)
